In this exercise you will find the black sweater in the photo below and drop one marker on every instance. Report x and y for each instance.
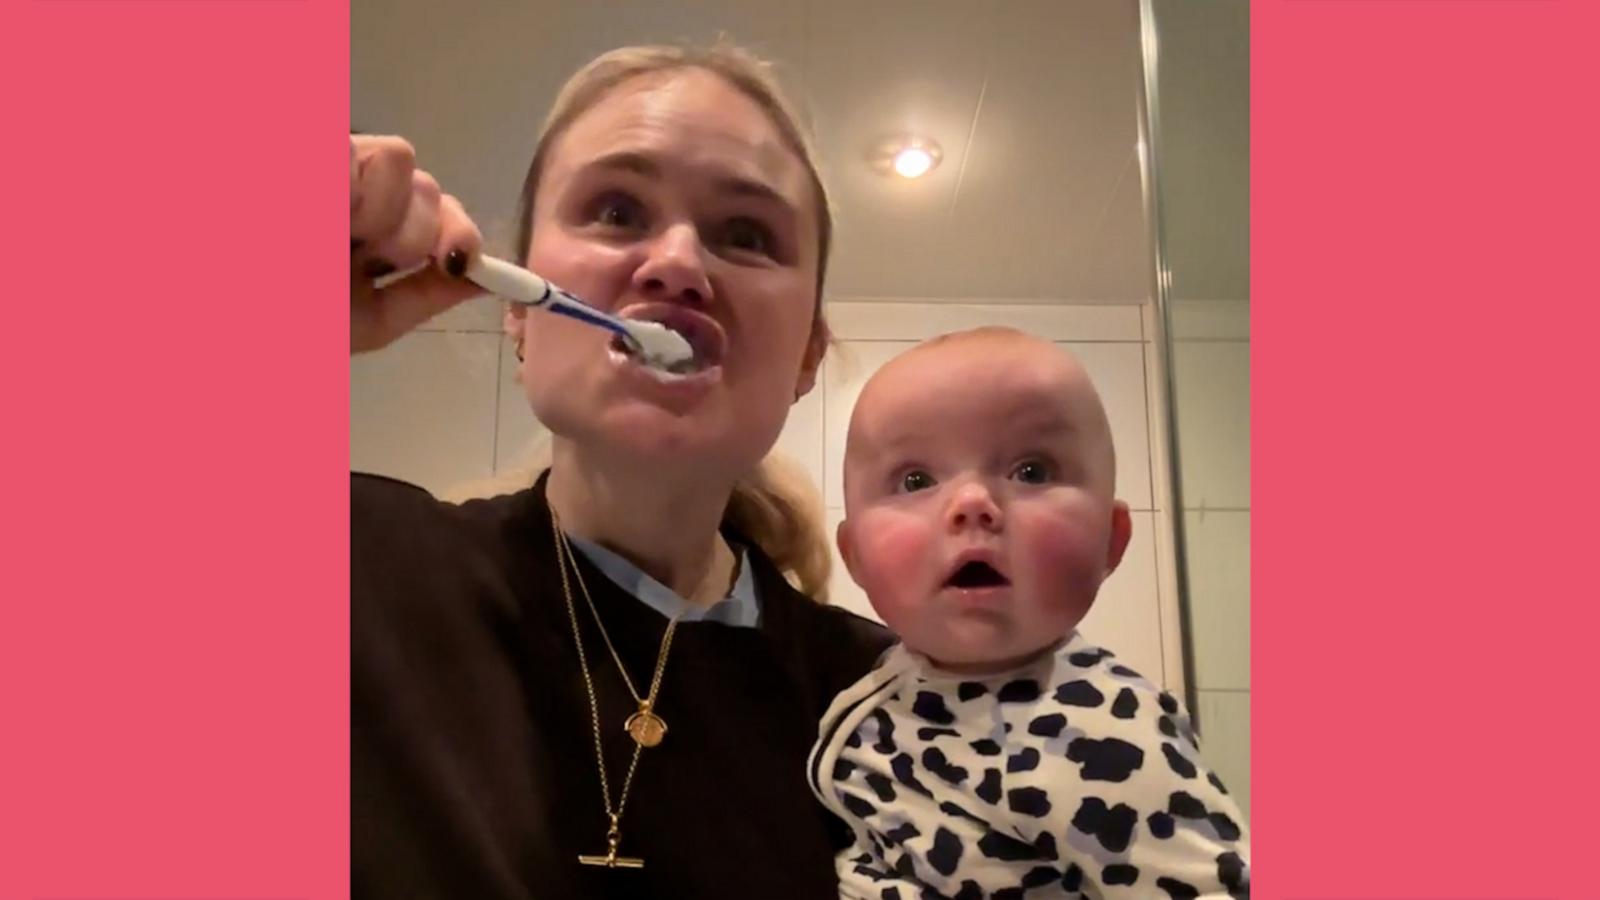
(473, 768)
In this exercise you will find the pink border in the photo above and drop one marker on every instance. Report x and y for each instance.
(1424, 334)
(173, 648)
(174, 651)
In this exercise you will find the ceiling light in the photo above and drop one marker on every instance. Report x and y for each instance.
(913, 162)
(907, 156)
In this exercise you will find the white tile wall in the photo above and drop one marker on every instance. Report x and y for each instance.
(1211, 369)
(1156, 366)
(1218, 556)
(1224, 718)
(1213, 402)
(423, 409)
(903, 320)
(482, 314)
(1126, 618)
(1211, 320)
(802, 437)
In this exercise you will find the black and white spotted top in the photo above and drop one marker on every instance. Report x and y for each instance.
(1071, 776)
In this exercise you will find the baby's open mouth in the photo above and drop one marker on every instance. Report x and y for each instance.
(977, 574)
(704, 336)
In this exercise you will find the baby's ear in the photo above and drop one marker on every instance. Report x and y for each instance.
(1121, 533)
(847, 548)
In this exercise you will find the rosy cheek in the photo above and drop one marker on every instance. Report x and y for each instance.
(1064, 552)
(893, 559)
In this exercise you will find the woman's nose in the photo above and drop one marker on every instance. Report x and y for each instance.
(973, 506)
(674, 268)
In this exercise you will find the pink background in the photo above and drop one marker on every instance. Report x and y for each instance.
(174, 648)
(1424, 485)
(173, 586)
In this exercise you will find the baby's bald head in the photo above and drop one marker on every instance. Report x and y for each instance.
(981, 383)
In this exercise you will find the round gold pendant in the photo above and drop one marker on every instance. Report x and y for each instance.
(646, 728)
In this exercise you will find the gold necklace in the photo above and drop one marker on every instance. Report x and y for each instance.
(644, 726)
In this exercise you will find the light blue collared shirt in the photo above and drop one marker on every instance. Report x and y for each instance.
(740, 608)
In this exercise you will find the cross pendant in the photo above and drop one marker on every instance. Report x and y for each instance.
(611, 860)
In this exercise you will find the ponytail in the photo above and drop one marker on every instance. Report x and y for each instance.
(778, 508)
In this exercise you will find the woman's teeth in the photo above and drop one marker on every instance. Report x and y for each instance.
(679, 367)
(684, 366)
(659, 346)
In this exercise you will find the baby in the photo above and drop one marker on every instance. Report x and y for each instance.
(993, 751)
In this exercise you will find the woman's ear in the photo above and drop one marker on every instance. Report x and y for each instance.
(514, 322)
(816, 347)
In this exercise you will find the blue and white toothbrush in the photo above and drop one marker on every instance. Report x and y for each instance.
(656, 345)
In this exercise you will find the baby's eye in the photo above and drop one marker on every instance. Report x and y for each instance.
(618, 211)
(915, 480)
(1032, 472)
(748, 235)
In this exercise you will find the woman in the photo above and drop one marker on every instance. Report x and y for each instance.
(603, 686)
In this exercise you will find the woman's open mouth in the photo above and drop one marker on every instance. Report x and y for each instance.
(703, 334)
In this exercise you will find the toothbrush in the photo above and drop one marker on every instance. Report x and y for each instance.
(656, 345)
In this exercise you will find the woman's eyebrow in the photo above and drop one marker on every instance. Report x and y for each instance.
(646, 165)
(627, 161)
(747, 187)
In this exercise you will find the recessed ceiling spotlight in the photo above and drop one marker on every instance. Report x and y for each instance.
(907, 156)
(913, 162)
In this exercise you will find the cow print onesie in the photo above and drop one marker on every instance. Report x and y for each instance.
(1068, 777)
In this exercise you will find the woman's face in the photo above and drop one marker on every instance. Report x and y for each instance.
(674, 198)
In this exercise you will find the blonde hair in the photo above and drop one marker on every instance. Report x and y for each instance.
(776, 506)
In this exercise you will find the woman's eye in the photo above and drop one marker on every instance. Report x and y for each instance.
(1032, 472)
(915, 480)
(618, 211)
(748, 235)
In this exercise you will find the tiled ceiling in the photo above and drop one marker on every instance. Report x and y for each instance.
(1034, 102)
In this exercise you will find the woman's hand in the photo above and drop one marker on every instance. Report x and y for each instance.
(400, 219)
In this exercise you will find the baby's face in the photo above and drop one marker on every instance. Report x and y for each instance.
(978, 493)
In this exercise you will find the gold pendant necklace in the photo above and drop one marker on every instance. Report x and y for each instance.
(645, 727)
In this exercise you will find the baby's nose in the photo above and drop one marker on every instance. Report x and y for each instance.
(973, 506)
